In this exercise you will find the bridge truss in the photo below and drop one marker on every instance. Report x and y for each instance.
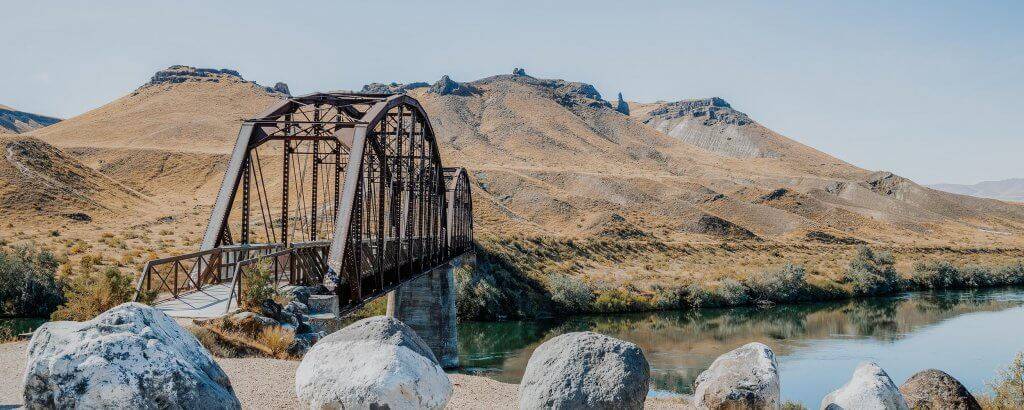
(343, 189)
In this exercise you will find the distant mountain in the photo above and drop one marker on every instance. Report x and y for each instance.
(16, 122)
(1008, 189)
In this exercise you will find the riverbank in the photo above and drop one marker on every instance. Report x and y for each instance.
(270, 384)
(531, 277)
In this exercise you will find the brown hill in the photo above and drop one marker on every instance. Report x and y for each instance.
(555, 157)
(182, 109)
(169, 138)
(40, 182)
(552, 157)
(13, 121)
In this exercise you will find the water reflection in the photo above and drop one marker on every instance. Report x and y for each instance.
(679, 345)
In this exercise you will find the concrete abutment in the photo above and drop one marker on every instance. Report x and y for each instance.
(427, 305)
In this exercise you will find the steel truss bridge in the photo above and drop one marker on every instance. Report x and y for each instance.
(342, 189)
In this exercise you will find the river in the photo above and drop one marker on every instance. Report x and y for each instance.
(968, 334)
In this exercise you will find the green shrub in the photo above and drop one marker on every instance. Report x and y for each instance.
(939, 275)
(726, 292)
(1009, 275)
(494, 290)
(1008, 388)
(619, 300)
(872, 273)
(731, 292)
(785, 285)
(28, 284)
(257, 285)
(91, 293)
(570, 293)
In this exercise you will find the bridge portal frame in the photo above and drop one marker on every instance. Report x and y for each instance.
(390, 213)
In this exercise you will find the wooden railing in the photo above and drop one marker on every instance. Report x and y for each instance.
(300, 264)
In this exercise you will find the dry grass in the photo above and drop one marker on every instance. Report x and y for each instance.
(227, 341)
(277, 340)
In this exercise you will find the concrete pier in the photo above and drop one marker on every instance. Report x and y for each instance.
(427, 305)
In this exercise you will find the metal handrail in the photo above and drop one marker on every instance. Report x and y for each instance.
(236, 280)
(193, 278)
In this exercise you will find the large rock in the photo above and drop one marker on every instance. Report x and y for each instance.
(374, 363)
(869, 388)
(935, 389)
(745, 378)
(131, 356)
(585, 370)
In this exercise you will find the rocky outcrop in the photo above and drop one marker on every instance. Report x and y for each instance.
(374, 363)
(745, 378)
(621, 106)
(519, 72)
(713, 111)
(177, 74)
(391, 88)
(869, 388)
(131, 356)
(935, 389)
(182, 73)
(575, 93)
(585, 370)
(281, 88)
(445, 86)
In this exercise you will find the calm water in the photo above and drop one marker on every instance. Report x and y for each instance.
(969, 334)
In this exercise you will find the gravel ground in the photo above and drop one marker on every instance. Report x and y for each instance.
(12, 361)
(270, 384)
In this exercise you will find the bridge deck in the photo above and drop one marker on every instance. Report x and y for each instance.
(204, 304)
(207, 303)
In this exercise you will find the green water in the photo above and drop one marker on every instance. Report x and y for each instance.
(16, 326)
(969, 334)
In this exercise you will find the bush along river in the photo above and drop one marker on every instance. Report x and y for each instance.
(968, 334)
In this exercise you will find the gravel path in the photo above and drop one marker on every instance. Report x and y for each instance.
(270, 384)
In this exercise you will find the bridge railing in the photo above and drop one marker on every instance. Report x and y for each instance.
(302, 263)
(170, 277)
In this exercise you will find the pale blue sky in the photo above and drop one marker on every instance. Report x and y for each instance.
(929, 90)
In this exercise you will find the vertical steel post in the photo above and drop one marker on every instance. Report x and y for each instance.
(285, 182)
(246, 167)
(316, 172)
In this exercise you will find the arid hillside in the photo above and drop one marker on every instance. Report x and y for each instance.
(169, 138)
(40, 184)
(13, 121)
(554, 157)
(548, 158)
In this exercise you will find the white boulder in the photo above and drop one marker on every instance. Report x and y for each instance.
(377, 362)
(744, 378)
(131, 356)
(585, 370)
(869, 388)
